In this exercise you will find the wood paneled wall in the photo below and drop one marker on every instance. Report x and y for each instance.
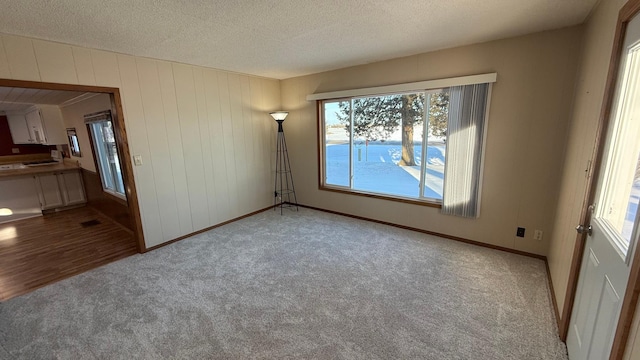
(110, 206)
(205, 135)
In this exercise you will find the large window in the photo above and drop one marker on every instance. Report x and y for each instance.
(421, 146)
(389, 144)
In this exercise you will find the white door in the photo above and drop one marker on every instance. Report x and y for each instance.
(609, 248)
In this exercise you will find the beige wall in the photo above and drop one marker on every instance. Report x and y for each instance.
(204, 135)
(73, 116)
(590, 84)
(530, 108)
(592, 75)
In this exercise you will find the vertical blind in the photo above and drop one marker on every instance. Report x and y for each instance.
(465, 141)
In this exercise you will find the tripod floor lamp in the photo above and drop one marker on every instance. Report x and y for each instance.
(284, 191)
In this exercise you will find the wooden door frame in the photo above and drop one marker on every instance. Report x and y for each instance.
(630, 300)
(118, 122)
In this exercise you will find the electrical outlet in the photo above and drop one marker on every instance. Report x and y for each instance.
(15, 150)
(537, 235)
(520, 232)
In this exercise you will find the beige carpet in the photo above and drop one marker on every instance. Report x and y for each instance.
(306, 285)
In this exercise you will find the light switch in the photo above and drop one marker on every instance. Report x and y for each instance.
(137, 160)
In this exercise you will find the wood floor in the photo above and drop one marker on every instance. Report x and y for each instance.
(39, 251)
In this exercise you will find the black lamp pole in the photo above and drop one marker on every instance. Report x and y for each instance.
(284, 191)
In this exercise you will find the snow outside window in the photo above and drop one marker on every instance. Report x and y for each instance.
(392, 145)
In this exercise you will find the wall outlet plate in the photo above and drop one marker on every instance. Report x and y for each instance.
(520, 232)
(537, 235)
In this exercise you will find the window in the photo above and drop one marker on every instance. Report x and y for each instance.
(105, 152)
(74, 145)
(421, 146)
(377, 144)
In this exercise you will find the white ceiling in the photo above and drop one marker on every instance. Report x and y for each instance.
(21, 99)
(283, 38)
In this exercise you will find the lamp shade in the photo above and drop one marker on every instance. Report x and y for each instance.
(279, 115)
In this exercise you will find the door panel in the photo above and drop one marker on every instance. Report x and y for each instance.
(605, 321)
(49, 191)
(73, 187)
(582, 304)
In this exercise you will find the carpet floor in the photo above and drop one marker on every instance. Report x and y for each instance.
(306, 285)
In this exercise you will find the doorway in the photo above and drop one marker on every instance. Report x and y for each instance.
(120, 237)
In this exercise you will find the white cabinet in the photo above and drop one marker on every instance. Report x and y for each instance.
(46, 125)
(49, 191)
(19, 129)
(60, 189)
(34, 124)
(20, 195)
(72, 187)
(42, 124)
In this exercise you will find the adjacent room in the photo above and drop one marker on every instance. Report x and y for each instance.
(63, 201)
(342, 179)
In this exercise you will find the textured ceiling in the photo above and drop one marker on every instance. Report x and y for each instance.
(283, 38)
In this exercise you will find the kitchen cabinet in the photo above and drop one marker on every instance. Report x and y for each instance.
(72, 187)
(36, 129)
(46, 125)
(49, 191)
(19, 195)
(60, 189)
(19, 129)
(42, 124)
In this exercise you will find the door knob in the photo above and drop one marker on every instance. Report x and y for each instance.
(581, 229)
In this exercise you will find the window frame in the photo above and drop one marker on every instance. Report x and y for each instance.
(322, 185)
(97, 152)
(425, 85)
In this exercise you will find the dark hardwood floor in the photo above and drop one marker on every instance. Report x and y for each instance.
(39, 251)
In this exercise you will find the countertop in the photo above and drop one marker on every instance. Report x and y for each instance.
(42, 169)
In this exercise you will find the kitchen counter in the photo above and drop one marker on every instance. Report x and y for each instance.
(28, 191)
(42, 169)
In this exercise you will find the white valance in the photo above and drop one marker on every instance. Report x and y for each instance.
(407, 87)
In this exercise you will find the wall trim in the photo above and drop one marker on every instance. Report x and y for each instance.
(450, 237)
(155, 247)
(556, 310)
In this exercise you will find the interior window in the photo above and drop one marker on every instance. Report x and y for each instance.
(106, 153)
